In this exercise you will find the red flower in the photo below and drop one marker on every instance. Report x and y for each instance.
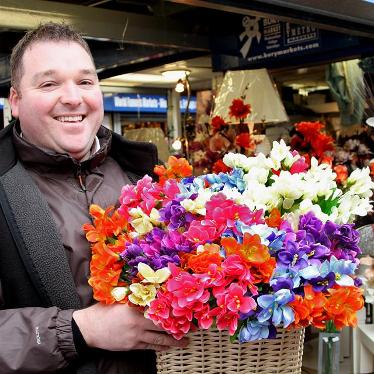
(243, 140)
(239, 110)
(220, 167)
(309, 129)
(218, 122)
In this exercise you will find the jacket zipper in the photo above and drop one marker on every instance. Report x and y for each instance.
(81, 180)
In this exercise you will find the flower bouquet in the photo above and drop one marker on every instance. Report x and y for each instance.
(258, 252)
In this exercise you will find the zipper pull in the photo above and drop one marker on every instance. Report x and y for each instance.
(81, 179)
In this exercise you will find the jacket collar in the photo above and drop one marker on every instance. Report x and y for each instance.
(46, 160)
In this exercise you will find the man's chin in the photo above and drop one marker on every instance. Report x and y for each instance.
(79, 155)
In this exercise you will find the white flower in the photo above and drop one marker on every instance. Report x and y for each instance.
(257, 174)
(289, 187)
(359, 182)
(351, 205)
(119, 293)
(319, 181)
(235, 160)
(279, 153)
(197, 206)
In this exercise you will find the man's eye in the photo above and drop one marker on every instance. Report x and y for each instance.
(47, 84)
(85, 82)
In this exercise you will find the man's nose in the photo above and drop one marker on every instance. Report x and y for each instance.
(71, 94)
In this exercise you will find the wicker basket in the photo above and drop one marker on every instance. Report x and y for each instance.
(210, 352)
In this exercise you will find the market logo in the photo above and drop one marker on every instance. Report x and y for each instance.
(251, 31)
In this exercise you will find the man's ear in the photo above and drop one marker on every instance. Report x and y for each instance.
(14, 98)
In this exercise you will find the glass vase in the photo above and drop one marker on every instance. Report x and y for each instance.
(328, 353)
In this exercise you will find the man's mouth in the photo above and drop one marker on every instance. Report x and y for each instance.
(71, 119)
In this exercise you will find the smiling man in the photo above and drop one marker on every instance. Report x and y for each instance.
(56, 160)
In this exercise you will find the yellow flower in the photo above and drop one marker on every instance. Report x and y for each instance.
(156, 277)
(142, 294)
(143, 223)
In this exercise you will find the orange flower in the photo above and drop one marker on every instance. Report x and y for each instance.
(239, 110)
(177, 168)
(342, 305)
(274, 219)
(310, 309)
(200, 262)
(341, 173)
(106, 224)
(251, 250)
(262, 272)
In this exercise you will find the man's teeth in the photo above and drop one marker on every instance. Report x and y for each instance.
(69, 118)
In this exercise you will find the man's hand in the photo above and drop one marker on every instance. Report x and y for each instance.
(119, 327)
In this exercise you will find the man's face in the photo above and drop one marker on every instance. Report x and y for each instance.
(59, 102)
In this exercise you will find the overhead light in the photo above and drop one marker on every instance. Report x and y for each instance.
(177, 145)
(179, 86)
(176, 74)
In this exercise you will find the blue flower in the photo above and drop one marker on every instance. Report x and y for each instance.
(275, 307)
(255, 330)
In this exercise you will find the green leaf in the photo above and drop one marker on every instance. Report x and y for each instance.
(327, 204)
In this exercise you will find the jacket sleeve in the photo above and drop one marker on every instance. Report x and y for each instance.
(35, 340)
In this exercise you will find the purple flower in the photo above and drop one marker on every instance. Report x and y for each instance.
(311, 224)
(293, 256)
(131, 250)
(163, 261)
(175, 215)
(317, 250)
(175, 241)
(321, 284)
(282, 283)
(344, 240)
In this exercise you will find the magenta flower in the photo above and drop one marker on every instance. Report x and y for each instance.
(235, 300)
(185, 287)
(201, 232)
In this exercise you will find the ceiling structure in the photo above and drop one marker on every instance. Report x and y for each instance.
(149, 36)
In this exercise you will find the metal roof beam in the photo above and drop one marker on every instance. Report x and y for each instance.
(102, 24)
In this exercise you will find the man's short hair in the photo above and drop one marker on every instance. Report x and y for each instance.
(56, 32)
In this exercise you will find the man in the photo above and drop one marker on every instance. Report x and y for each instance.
(56, 160)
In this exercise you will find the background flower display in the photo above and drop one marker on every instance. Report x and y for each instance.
(223, 137)
(310, 141)
(266, 244)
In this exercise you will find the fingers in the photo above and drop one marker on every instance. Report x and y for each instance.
(158, 340)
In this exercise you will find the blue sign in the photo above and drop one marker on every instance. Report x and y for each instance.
(1, 103)
(143, 103)
(249, 42)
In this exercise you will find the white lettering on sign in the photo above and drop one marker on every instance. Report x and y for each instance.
(140, 102)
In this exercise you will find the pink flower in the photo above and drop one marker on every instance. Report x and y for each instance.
(213, 277)
(234, 300)
(159, 309)
(235, 268)
(226, 320)
(204, 319)
(201, 232)
(185, 287)
(226, 212)
(178, 327)
(299, 166)
(189, 310)
(169, 191)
